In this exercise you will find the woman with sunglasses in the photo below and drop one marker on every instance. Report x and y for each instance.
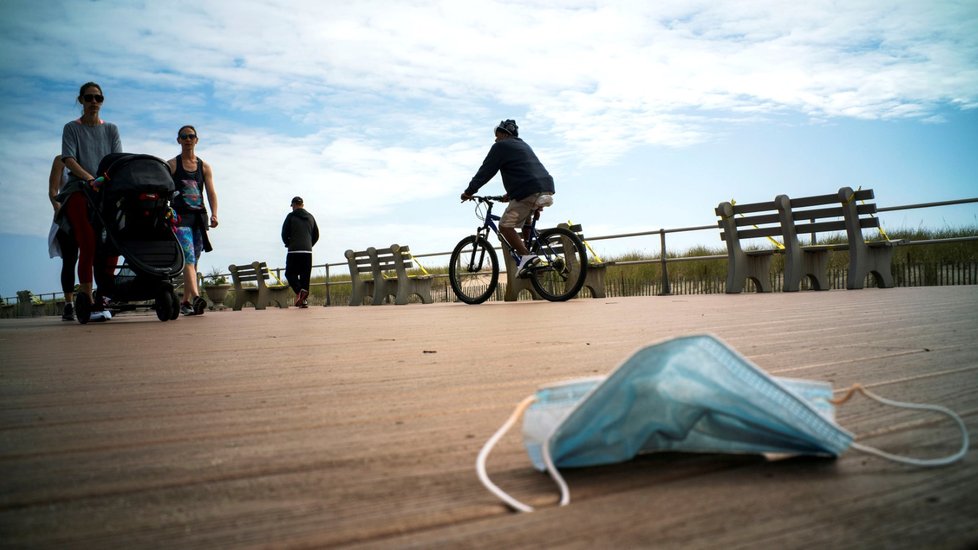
(192, 178)
(84, 142)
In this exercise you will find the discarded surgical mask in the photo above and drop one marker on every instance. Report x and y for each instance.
(688, 394)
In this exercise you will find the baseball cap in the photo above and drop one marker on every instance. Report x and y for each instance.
(297, 200)
(509, 126)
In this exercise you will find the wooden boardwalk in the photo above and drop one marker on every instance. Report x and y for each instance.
(359, 427)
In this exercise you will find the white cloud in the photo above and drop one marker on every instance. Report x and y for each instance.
(363, 107)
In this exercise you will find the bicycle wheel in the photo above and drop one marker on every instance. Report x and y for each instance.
(560, 273)
(474, 270)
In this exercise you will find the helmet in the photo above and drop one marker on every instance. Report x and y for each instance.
(509, 126)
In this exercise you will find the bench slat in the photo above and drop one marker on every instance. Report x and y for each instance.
(818, 200)
(763, 219)
(818, 213)
(758, 232)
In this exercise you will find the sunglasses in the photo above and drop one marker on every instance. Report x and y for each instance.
(188, 136)
(93, 97)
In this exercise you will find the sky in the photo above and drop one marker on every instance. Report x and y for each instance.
(378, 113)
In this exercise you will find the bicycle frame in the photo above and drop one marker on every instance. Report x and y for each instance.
(489, 224)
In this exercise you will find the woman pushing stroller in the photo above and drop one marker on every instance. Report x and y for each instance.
(84, 142)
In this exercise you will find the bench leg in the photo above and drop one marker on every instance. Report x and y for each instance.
(383, 289)
(515, 285)
(595, 280)
(816, 265)
(813, 264)
(867, 260)
(736, 277)
(743, 267)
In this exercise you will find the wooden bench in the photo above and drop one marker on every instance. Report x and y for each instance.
(391, 277)
(846, 211)
(786, 218)
(361, 267)
(596, 269)
(250, 286)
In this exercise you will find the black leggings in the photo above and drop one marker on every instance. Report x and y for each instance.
(69, 257)
(298, 269)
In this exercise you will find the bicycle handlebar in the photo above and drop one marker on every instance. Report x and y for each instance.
(488, 198)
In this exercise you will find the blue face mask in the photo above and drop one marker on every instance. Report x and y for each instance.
(689, 394)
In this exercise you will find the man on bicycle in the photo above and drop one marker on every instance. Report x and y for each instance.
(528, 185)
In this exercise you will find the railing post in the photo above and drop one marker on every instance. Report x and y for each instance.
(666, 290)
(327, 287)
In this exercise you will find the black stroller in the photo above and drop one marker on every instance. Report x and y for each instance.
(130, 206)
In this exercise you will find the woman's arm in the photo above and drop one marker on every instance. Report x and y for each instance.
(116, 140)
(211, 194)
(54, 182)
(77, 169)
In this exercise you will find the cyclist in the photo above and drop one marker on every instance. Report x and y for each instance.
(528, 185)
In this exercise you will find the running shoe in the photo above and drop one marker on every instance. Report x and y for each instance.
(83, 307)
(526, 265)
(69, 312)
(187, 309)
(301, 298)
(199, 305)
(100, 316)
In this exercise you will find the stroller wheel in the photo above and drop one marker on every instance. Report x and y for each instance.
(164, 306)
(83, 308)
(174, 306)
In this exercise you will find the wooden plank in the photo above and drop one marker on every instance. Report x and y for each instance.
(817, 213)
(748, 208)
(759, 220)
(272, 437)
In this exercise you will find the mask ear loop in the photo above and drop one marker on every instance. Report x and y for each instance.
(555, 475)
(917, 406)
(480, 463)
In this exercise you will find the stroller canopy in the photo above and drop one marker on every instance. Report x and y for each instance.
(126, 172)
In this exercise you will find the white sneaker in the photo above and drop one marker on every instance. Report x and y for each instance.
(526, 263)
(98, 316)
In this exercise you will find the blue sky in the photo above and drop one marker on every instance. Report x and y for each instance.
(378, 113)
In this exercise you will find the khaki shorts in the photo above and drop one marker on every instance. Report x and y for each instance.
(518, 211)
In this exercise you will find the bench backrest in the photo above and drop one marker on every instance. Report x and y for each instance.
(827, 213)
(396, 258)
(358, 262)
(748, 221)
(256, 272)
(787, 218)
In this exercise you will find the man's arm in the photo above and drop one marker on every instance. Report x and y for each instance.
(486, 172)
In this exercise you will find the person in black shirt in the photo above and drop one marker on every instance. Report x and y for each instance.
(528, 185)
(299, 233)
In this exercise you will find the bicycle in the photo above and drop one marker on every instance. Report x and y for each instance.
(557, 276)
